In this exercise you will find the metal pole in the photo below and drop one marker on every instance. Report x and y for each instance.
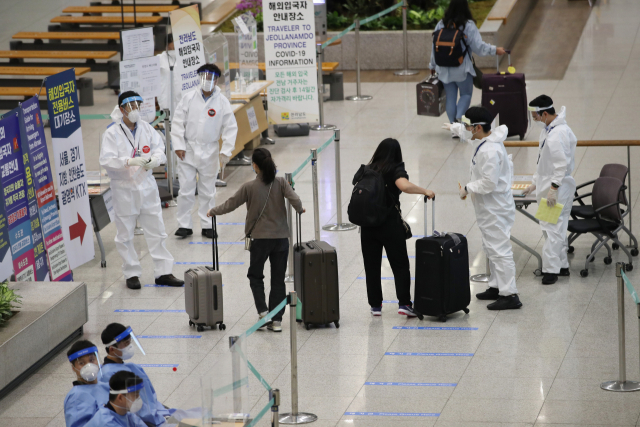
(275, 395)
(289, 276)
(338, 226)
(314, 183)
(235, 375)
(358, 96)
(630, 199)
(169, 152)
(405, 41)
(484, 277)
(295, 417)
(321, 125)
(138, 231)
(622, 384)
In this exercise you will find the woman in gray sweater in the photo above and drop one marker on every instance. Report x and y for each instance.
(266, 224)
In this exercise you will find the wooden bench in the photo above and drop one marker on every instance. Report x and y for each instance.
(56, 54)
(222, 12)
(39, 71)
(84, 84)
(106, 20)
(64, 59)
(118, 9)
(23, 92)
(501, 10)
(66, 35)
(65, 40)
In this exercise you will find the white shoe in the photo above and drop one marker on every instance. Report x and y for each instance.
(263, 314)
(275, 326)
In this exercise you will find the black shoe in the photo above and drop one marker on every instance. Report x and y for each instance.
(564, 272)
(549, 278)
(169, 280)
(207, 232)
(133, 283)
(489, 294)
(184, 232)
(506, 303)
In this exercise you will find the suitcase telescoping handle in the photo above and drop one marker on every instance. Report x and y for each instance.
(433, 215)
(298, 229)
(214, 247)
(498, 60)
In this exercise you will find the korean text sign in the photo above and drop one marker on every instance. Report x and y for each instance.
(187, 38)
(35, 148)
(290, 55)
(68, 154)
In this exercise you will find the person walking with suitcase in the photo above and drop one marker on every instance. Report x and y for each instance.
(392, 232)
(491, 172)
(267, 228)
(455, 39)
(553, 180)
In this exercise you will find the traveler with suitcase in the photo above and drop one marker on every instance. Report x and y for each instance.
(266, 230)
(380, 183)
(553, 180)
(491, 172)
(455, 39)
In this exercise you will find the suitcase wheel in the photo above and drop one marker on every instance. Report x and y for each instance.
(420, 316)
(222, 326)
(200, 328)
(191, 324)
(337, 324)
(466, 310)
(308, 326)
(442, 318)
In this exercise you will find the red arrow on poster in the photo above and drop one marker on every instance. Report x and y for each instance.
(78, 229)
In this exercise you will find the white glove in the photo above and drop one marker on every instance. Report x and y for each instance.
(137, 161)
(153, 163)
(224, 159)
(552, 197)
(463, 193)
(530, 189)
(446, 126)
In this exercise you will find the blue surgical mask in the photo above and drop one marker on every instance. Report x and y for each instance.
(254, 171)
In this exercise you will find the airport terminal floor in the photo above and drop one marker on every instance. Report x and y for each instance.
(541, 365)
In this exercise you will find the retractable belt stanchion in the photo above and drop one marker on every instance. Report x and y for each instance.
(405, 41)
(236, 376)
(275, 417)
(295, 417)
(339, 225)
(321, 125)
(169, 154)
(358, 96)
(483, 277)
(316, 203)
(621, 384)
(289, 276)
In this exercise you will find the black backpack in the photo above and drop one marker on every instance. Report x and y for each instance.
(447, 47)
(368, 206)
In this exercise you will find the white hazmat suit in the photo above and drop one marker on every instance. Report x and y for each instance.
(167, 59)
(556, 162)
(489, 186)
(197, 127)
(135, 193)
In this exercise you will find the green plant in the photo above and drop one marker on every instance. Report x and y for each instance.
(335, 21)
(8, 301)
(358, 7)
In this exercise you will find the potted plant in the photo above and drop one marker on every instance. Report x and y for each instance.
(9, 301)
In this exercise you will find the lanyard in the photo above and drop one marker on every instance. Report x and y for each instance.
(544, 142)
(135, 150)
(474, 154)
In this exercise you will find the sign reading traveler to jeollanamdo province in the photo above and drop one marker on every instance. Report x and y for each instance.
(45, 193)
(187, 38)
(290, 56)
(68, 154)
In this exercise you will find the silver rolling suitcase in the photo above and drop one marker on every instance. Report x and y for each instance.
(203, 291)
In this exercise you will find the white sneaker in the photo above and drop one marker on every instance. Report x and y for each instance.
(275, 326)
(263, 314)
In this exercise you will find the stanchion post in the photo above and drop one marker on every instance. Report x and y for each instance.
(275, 417)
(169, 154)
(359, 96)
(316, 202)
(339, 225)
(295, 417)
(236, 375)
(621, 384)
(405, 41)
(321, 125)
(289, 276)
(483, 277)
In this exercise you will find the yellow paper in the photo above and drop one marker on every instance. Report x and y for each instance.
(547, 214)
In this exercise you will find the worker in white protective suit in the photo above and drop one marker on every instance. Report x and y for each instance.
(553, 181)
(201, 118)
(491, 173)
(167, 59)
(131, 148)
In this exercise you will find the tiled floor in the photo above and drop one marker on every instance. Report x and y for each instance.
(540, 365)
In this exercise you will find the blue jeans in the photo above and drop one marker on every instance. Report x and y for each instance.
(455, 108)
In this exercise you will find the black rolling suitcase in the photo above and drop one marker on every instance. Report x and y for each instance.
(442, 272)
(315, 277)
(506, 94)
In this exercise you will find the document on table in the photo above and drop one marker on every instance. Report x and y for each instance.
(547, 214)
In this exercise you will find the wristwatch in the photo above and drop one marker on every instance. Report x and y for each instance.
(554, 185)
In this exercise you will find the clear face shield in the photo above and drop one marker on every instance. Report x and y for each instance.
(87, 363)
(469, 127)
(124, 343)
(208, 80)
(536, 113)
(133, 393)
(131, 107)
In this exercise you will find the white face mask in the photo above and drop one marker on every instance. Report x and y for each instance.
(89, 372)
(134, 116)
(127, 352)
(136, 405)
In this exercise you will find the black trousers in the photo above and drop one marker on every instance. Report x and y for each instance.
(277, 251)
(391, 237)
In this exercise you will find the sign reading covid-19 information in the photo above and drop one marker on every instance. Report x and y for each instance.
(14, 198)
(40, 171)
(68, 154)
(187, 38)
(290, 57)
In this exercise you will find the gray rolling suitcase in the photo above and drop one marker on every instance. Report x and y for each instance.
(203, 291)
